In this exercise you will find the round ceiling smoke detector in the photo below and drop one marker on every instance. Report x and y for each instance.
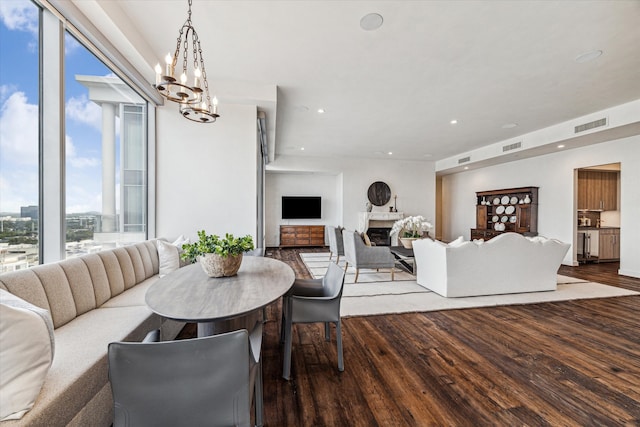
(371, 21)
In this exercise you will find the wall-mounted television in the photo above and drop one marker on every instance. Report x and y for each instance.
(301, 207)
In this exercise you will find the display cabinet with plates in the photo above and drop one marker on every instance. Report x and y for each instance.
(507, 210)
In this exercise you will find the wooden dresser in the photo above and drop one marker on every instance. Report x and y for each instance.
(301, 235)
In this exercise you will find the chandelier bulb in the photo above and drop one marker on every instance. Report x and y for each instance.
(158, 70)
(183, 78)
(169, 61)
(196, 79)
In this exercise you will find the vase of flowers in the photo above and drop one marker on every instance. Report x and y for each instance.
(410, 229)
(218, 257)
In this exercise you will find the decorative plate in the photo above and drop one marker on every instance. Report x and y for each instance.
(514, 200)
(500, 209)
(496, 201)
(504, 219)
(512, 219)
(505, 200)
(495, 218)
(510, 209)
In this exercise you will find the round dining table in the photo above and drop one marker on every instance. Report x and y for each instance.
(189, 295)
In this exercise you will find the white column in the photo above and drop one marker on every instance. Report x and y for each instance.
(108, 167)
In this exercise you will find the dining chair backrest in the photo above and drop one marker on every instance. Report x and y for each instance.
(201, 381)
(333, 281)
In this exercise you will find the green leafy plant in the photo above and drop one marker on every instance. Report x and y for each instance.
(213, 244)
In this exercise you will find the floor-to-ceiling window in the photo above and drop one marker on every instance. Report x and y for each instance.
(73, 139)
(19, 134)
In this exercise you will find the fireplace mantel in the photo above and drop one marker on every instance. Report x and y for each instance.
(377, 220)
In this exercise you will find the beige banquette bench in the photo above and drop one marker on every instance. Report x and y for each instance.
(92, 300)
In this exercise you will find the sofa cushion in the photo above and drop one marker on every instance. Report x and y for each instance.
(99, 278)
(80, 283)
(79, 369)
(134, 296)
(26, 350)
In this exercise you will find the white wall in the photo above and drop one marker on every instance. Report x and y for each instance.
(206, 173)
(554, 174)
(412, 182)
(300, 184)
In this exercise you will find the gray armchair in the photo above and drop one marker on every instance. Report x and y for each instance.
(336, 245)
(321, 303)
(360, 255)
(202, 381)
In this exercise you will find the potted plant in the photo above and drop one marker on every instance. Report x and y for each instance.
(219, 257)
(410, 229)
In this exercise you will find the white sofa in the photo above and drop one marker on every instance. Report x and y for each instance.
(86, 303)
(509, 263)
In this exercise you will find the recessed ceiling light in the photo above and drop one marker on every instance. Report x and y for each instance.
(320, 110)
(509, 125)
(588, 56)
(453, 122)
(466, 168)
(390, 153)
(561, 146)
(371, 21)
(301, 148)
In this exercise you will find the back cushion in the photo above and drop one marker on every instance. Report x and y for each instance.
(136, 261)
(153, 252)
(99, 278)
(26, 285)
(56, 286)
(80, 283)
(126, 265)
(114, 273)
(146, 259)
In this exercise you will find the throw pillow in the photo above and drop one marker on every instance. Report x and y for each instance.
(26, 352)
(169, 255)
(365, 239)
(457, 242)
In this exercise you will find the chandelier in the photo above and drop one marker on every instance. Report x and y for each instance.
(191, 89)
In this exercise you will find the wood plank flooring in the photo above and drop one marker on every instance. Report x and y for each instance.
(574, 363)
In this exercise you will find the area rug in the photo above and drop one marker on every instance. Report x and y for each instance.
(376, 294)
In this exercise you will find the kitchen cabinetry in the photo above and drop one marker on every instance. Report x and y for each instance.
(598, 190)
(507, 210)
(301, 235)
(609, 244)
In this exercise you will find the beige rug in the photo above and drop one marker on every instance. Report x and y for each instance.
(376, 294)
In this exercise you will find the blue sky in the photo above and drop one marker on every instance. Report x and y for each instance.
(19, 115)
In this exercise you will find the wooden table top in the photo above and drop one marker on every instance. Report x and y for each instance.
(189, 295)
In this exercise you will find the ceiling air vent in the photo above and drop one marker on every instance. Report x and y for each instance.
(591, 125)
(464, 160)
(512, 146)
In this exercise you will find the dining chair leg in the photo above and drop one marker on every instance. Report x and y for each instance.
(259, 396)
(339, 343)
(286, 365)
(327, 332)
(357, 273)
(392, 273)
(330, 255)
(337, 259)
(283, 318)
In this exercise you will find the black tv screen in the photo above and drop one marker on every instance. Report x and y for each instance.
(301, 207)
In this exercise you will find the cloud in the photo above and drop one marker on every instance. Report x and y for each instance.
(19, 129)
(84, 111)
(71, 45)
(78, 162)
(21, 15)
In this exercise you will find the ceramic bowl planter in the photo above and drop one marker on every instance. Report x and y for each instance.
(215, 265)
(407, 242)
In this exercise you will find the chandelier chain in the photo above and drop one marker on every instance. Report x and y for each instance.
(204, 75)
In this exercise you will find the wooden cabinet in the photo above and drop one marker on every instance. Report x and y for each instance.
(598, 190)
(301, 235)
(507, 210)
(609, 244)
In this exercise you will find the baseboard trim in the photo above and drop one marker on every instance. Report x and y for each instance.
(630, 273)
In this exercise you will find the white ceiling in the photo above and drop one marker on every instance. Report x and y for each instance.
(484, 63)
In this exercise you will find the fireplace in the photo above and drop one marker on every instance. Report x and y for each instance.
(380, 236)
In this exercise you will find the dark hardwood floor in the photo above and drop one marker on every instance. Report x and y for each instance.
(574, 363)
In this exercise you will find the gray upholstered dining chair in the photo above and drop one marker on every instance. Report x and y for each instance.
(360, 255)
(320, 304)
(202, 381)
(336, 246)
